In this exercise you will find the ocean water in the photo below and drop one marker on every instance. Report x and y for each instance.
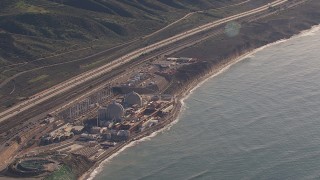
(260, 119)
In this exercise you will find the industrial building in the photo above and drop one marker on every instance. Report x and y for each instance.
(77, 129)
(62, 133)
(102, 114)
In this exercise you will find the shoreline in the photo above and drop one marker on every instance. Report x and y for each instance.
(216, 55)
(187, 91)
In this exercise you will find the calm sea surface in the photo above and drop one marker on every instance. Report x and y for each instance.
(258, 120)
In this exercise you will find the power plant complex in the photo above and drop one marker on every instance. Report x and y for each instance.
(105, 120)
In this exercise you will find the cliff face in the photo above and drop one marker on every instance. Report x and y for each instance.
(223, 48)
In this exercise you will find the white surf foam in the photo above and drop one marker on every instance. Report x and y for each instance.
(310, 32)
(251, 54)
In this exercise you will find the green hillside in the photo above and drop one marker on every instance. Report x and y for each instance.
(82, 20)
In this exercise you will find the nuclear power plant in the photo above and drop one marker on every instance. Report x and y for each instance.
(107, 118)
(129, 114)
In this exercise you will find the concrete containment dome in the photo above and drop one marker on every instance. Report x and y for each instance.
(114, 111)
(132, 99)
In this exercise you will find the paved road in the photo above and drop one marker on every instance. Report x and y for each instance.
(89, 75)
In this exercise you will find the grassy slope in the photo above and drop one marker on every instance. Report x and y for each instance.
(80, 20)
(32, 29)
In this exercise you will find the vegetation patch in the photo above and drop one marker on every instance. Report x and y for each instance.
(2, 77)
(63, 173)
(3, 62)
(39, 78)
(90, 65)
(22, 5)
(7, 104)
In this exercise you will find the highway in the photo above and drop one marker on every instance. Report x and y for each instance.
(95, 73)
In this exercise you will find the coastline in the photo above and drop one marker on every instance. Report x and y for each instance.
(214, 54)
(186, 92)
